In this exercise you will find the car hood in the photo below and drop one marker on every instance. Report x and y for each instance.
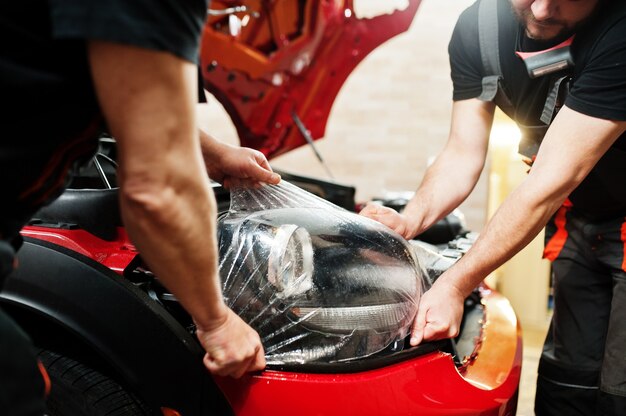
(277, 66)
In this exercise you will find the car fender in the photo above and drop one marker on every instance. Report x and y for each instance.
(60, 296)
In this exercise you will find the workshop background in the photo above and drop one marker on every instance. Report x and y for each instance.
(388, 123)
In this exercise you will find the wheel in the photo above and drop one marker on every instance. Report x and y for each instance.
(78, 390)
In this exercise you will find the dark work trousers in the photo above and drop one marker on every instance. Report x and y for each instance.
(582, 370)
(22, 386)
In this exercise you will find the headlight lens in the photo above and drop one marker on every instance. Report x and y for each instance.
(379, 318)
(290, 262)
(318, 285)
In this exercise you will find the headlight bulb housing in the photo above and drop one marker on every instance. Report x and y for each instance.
(318, 283)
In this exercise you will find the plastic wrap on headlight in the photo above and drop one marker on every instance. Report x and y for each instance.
(318, 283)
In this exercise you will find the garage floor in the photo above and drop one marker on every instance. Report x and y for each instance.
(533, 341)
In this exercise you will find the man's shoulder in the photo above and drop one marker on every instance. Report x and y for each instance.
(170, 25)
(604, 37)
(609, 20)
(469, 19)
(598, 85)
(466, 28)
(504, 23)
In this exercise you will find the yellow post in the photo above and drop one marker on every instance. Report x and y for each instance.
(524, 279)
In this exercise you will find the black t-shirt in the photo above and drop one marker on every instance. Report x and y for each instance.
(50, 116)
(597, 88)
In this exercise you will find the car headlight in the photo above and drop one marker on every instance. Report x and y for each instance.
(379, 318)
(290, 262)
(318, 285)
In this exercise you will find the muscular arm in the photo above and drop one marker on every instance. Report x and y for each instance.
(559, 168)
(453, 175)
(168, 207)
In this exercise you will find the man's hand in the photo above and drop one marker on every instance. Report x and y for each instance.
(232, 347)
(391, 218)
(236, 166)
(439, 314)
(242, 167)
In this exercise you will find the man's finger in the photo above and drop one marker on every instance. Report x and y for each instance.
(259, 361)
(433, 332)
(233, 369)
(261, 160)
(371, 211)
(234, 182)
(418, 327)
(438, 330)
(213, 366)
(243, 367)
(263, 174)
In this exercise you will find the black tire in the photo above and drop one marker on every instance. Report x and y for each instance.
(78, 390)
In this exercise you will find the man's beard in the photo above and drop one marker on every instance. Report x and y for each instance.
(550, 28)
(546, 29)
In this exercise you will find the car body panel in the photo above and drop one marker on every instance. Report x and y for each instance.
(427, 385)
(74, 305)
(264, 77)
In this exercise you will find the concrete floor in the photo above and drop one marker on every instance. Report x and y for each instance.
(533, 341)
(389, 120)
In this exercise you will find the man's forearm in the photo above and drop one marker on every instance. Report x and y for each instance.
(571, 148)
(174, 229)
(209, 145)
(456, 170)
(520, 218)
(148, 99)
(446, 184)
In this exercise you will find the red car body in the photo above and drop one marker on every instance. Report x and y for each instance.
(430, 384)
(426, 385)
(291, 60)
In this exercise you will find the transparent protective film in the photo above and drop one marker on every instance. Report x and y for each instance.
(318, 283)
